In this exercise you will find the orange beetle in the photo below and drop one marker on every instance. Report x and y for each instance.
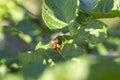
(57, 44)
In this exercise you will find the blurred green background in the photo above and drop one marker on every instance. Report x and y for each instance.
(22, 27)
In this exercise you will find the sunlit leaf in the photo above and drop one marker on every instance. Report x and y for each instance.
(102, 49)
(25, 37)
(9, 9)
(84, 69)
(71, 70)
(42, 46)
(16, 76)
(58, 16)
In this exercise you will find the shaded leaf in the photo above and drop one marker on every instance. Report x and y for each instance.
(88, 5)
(30, 57)
(92, 31)
(54, 56)
(107, 9)
(33, 71)
(70, 51)
(101, 8)
(104, 69)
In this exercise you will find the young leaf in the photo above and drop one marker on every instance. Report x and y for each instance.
(57, 16)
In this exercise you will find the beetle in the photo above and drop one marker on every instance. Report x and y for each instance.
(57, 44)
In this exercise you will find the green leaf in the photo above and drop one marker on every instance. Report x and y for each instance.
(97, 5)
(85, 68)
(102, 49)
(54, 55)
(73, 29)
(42, 46)
(107, 9)
(16, 76)
(92, 31)
(30, 57)
(57, 16)
(33, 71)
(71, 50)
(29, 30)
(101, 8)
(88, 5)
(104, 69)
(82, 16)
(71, 70)
(48, 53)
(111, 14)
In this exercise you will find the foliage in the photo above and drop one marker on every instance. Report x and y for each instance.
(82, 52)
